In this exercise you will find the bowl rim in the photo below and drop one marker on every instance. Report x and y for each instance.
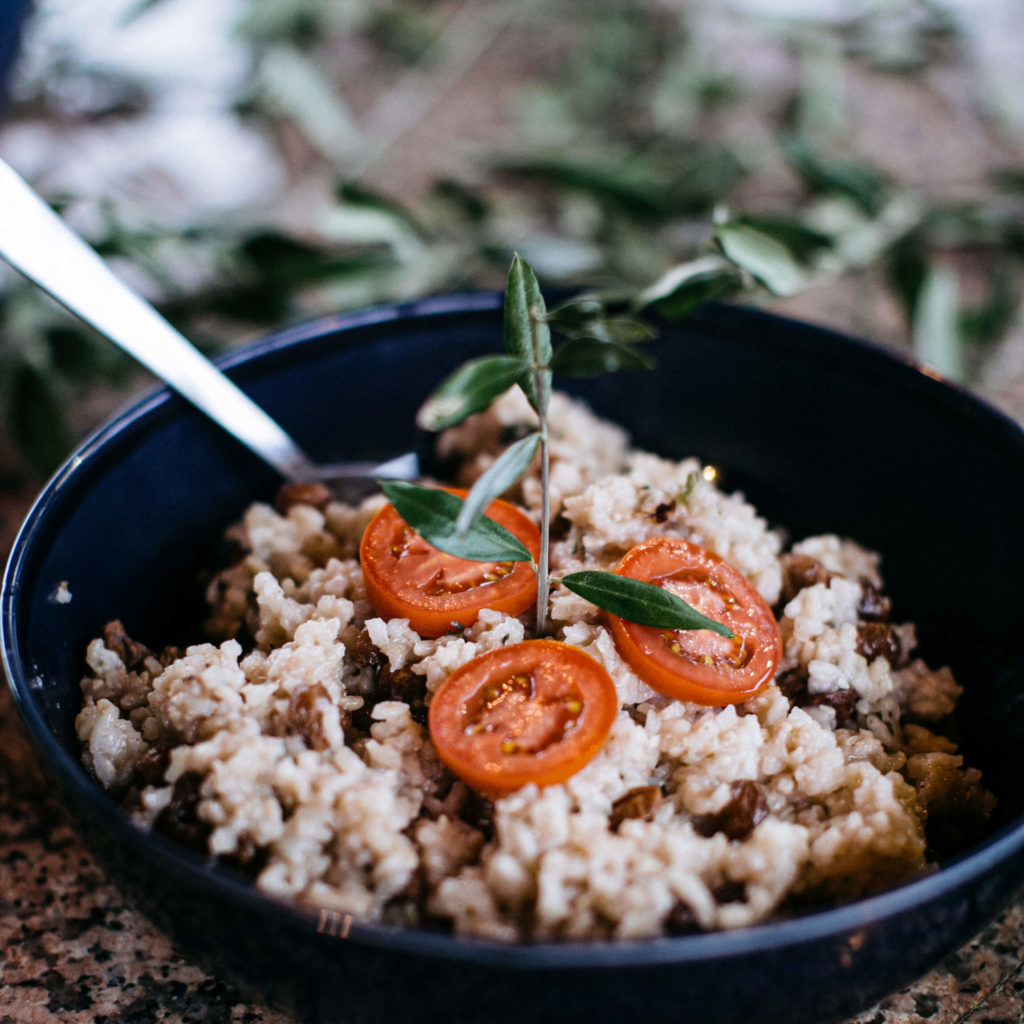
(206, 874)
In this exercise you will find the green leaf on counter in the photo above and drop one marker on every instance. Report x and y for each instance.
(935, 329)
(762, 256)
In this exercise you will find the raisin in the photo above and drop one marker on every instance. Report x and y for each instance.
(639, 802)
(152, 765)
(877, 639)
(179, 819)
(793, 684)
(800, 572)
(305, 720)
(746, 809)
(843, 702)
(362, 651)
(131, 652)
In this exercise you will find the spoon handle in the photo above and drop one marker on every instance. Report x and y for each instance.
(36, 242)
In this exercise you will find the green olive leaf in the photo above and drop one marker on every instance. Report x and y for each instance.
(643, 603)
(991, 319)
(611, 330)
(508, 469)
(771, 261)
(936, 334)
(587, 357)
(576, 312)
(906, 268)
(803, 241)
(861, 183)
(470, 388)
(636, 186)
(588, 317)
(433, 512)
(527, 334)
(684, 287)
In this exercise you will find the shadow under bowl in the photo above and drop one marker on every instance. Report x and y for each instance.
(823, 434)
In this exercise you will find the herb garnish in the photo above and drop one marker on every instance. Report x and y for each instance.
(594, 343)
(639, 602)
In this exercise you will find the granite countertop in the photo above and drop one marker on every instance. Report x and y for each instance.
(74, 952)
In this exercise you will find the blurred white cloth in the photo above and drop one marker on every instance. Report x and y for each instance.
(188, 151)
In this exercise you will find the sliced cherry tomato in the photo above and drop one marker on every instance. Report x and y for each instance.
(408, 578)
(536, 711)
(699, 664)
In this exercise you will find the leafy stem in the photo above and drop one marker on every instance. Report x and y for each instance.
(543, 584)
(541, 346)
(595, 344)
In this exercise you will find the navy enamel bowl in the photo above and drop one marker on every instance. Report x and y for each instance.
(821, 432)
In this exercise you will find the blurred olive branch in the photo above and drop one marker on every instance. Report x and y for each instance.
(645, 170)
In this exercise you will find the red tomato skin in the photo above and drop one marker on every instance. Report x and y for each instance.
(480, 713)
(399, 566)
(734, 601)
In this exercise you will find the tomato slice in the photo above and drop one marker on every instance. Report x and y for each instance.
(698, 664)
(407, 577)
(535, 711)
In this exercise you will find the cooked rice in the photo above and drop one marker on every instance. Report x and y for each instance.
(284, 745)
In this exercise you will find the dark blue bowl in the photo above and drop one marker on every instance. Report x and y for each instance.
(823, 433)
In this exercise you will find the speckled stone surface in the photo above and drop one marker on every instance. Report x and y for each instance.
(72, 951)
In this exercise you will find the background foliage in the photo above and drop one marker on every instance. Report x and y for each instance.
(293, 158)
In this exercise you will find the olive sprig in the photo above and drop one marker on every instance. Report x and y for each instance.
(594, 343)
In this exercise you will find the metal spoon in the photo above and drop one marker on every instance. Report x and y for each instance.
(37, 243)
